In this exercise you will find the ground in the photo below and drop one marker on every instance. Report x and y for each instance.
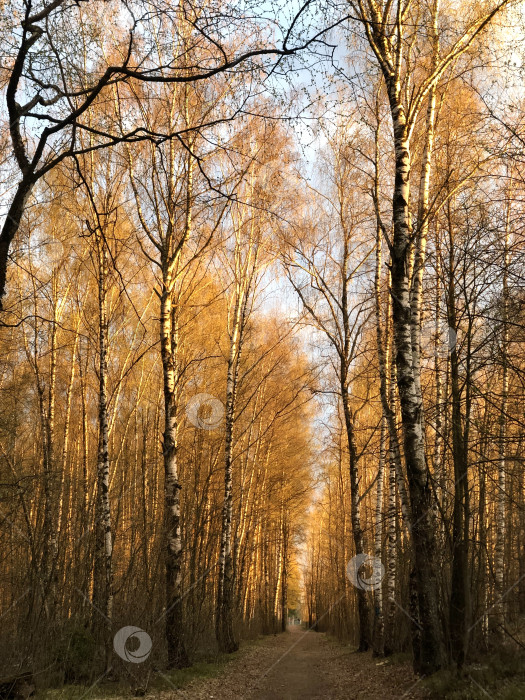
(305, 665)
(309, 666)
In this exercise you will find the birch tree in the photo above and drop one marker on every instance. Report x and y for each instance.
(55, 95)
(385, 26)
(322, 273)
(168, 232)
(102, 185)
(245, 265)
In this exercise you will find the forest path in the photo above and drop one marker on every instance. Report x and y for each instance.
(305, 665)
(301, 671)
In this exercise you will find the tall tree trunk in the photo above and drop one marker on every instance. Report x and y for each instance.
(483, 559)
(11, 226)
(177, 655)
(52, 577)
(355, 499)
(280, 549)
(103, 580)
(388, 418)
(432, 655)
(501, 497)
(390, 635)
(355, 513)
(82, 371)
(379, 621)
(386, 382)
(521, 546)
(416, 295)
(224, 629)
(284, 578)
(45, 566)
(459, 611)
(67, 427)
(437, 460)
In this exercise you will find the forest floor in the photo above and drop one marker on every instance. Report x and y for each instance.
(305, 665)
(310, 666)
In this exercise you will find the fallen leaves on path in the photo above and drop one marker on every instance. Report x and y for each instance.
(275, 666)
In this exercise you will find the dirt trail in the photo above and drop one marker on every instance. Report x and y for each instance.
(306, 666)
(300, 672)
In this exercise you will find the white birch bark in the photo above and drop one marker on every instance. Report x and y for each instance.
(385, 25)
(177, 656)
(103, 582)
(225, 597)
(423, 211)
(379, 623)
(390, 636)
(225, 632)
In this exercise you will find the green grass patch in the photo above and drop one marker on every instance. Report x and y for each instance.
(199, 670)
(138, 680)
